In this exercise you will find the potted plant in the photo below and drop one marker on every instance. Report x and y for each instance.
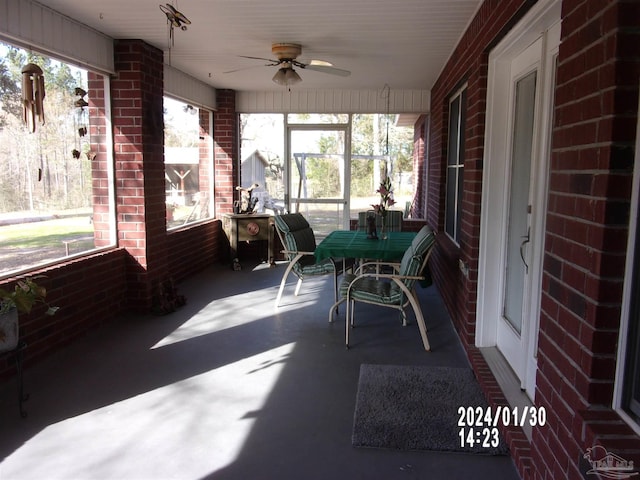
(21, 299)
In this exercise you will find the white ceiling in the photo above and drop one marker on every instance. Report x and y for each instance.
(400, 43)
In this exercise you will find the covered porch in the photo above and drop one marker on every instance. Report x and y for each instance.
(227, 387)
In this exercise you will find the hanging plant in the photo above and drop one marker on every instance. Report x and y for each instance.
(24, 296)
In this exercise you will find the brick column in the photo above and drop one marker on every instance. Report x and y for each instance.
(225, 134)
(137, 91)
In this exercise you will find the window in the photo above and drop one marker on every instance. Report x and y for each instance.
(378, 146)
(627, 389)
(631, 381)
(54, 200)
(187, 162)
(455, 163)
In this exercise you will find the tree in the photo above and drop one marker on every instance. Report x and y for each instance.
(39, 169)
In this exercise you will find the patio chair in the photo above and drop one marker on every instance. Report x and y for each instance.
(395, 290)
(299, 244)
(393, 223)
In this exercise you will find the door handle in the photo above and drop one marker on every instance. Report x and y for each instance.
(526, 239)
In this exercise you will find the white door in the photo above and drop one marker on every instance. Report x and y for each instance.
(515, 279)
(519, 118)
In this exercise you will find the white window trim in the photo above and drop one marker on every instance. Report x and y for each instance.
(627, 291)
(457, 94)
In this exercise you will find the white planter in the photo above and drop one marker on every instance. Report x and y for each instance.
(8, 330)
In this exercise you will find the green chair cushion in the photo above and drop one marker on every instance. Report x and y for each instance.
(386, 291)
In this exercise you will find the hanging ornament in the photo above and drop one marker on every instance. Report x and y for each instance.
(175, 19)
(32, 95)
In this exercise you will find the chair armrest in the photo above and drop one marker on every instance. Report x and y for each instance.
(395, 278)
(395, 265)
(296, 252)
(392, 276)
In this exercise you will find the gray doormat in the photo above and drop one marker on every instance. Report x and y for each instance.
(416, 408)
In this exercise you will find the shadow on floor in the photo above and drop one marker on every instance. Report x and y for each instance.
(226, 388)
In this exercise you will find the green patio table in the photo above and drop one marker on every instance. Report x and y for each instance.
(354, 244)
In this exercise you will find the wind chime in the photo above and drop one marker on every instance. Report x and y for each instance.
(81, 120)
(32, 96)
(175, 19)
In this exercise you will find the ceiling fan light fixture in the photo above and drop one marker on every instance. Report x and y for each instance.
(286, 77)
(292, 77)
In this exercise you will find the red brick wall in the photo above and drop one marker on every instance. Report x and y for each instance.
(94, 289)
(468, 63)
(89, 291)
(590, 186)
(137, 96)
(225, 124)
(596, 102)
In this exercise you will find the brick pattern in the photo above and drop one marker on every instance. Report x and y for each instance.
(137, 92)
(225, 124)
(519, 445)
(468, 64)
(89, 291)
(96, 288)
(587, 227)
(593, 136)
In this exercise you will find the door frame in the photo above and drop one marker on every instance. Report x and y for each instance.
(346, 193)
(542, 21)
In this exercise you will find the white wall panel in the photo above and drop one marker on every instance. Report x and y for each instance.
(191, 90)
(32, 26)
(334, 101)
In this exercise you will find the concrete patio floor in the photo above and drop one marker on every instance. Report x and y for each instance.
(227, 388)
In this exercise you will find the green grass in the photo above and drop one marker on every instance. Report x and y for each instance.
(45, 233)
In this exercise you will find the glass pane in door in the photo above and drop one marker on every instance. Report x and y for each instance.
(517, 230)
(317, 177)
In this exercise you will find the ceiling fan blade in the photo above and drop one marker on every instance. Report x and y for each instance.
(273, 62)
(246, 68)
(326, 69)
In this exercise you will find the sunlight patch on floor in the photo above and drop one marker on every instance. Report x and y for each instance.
(256, 305)
(202, 421)
(221, 314)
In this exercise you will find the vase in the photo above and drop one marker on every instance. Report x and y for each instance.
(383, 228)
(8, 330)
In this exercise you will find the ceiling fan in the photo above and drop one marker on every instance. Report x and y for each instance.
(286, 54)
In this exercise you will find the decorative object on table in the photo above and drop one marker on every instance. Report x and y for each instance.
(21, 299)
(386, 201)
(247, 202)
(393, 222)
(408, 407)
(372, 231)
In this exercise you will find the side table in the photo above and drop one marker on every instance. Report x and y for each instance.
(248, 228)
